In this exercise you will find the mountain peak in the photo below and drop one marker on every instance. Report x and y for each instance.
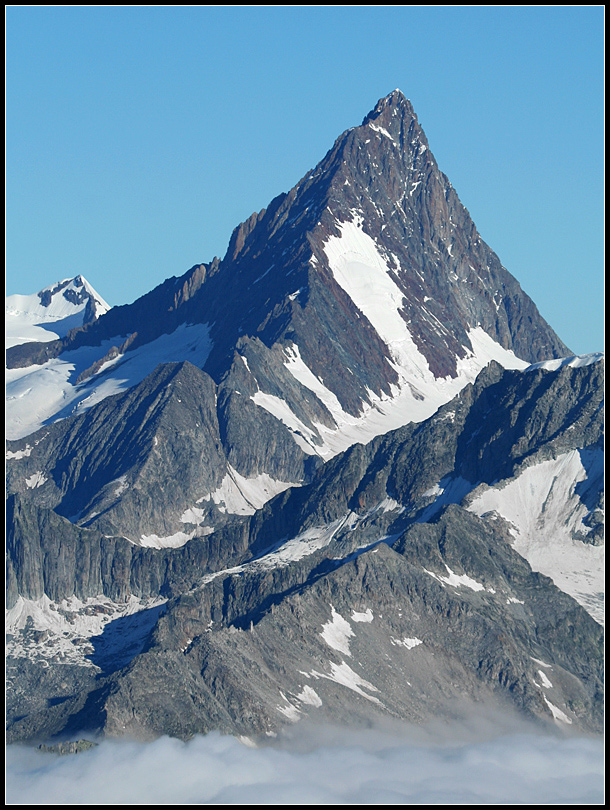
(53, 311)
(370, 265)
(394, 105)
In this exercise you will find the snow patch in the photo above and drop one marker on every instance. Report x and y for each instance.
(485, 349)
(247, 741)
(309, 696)
(65, 628)
(458, 580)
(289, 711)
(557, 713)
(337, 632)
(35, 480)
(302, 545)
(545, 513)
(172, 541)
(409, 643)
(546, 684)
(382, 131)
(287, 551)
(360, 270)
(19, 453)
(391, 505)
(243, 496)
(301, 372)
(575, 361)
(39, 394)
(541, 663)
(193, 515)
(367, 616)
(304, 436)
(122, 485)
(345, 676)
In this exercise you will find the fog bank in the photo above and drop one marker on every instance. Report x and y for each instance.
(319, 765)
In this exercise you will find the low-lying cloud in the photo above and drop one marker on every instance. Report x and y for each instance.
(320, 765)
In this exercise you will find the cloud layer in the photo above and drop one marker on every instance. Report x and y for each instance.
(322, 765)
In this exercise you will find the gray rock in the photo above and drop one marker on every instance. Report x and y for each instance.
(389, 616)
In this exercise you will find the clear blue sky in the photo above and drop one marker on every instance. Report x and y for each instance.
(138, 138)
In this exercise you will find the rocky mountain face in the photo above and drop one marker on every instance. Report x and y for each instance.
(319, 476)
(381, 181)
(381, 586)
(361, 300)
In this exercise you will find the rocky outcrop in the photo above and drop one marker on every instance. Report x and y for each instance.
(48, 555)
(145, 462)
(346, 636)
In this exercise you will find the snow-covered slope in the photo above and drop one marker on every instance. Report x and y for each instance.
(41, 394)
(52, 312)
(575, 361)
(416, 397)
(545, 506)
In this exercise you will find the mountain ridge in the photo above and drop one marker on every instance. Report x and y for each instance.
(346, 540)
(330, 173)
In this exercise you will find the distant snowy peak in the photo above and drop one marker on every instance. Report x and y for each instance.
(574, 361)
(58, 301)
(50, 313)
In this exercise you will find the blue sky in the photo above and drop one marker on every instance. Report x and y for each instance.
(137, 138)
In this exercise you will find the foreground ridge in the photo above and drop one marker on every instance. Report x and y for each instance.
(342, 597)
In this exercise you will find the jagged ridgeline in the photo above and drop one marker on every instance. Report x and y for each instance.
(358, 302)
(317, 477)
